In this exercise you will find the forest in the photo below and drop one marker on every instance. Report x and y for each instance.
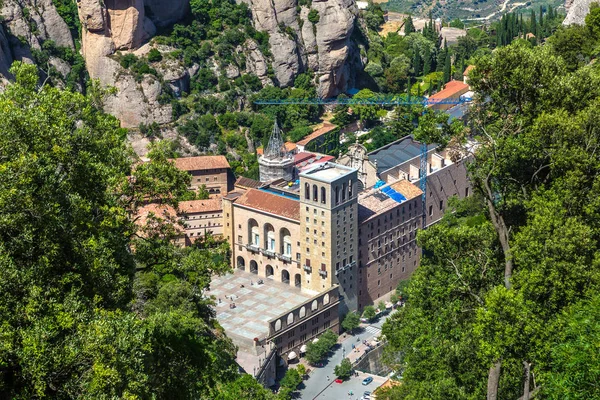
(505, 302)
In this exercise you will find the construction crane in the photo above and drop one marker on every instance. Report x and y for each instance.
(373, 101)
(381, 101)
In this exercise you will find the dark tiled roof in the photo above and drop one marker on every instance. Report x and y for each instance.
(247, 183)
(396, 153)
(271, 203)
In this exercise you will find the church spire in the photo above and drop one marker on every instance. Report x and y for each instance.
(276, 146)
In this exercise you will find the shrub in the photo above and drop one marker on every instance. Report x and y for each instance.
(344, 369)
(154, 56)
(313, 16)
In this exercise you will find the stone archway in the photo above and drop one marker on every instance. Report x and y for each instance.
(254, 267)
(241, 264)
(285, 276)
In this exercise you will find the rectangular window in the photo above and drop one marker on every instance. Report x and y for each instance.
(441, 204)
(291, 334)
(303, 327)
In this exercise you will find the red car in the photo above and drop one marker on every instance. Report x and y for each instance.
(338, 380)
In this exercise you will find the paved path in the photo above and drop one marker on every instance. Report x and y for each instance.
(317, 383)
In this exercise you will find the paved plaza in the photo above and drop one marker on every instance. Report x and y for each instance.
(255, 305)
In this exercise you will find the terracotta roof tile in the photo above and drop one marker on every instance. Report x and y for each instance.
(201, 163)
(160, 211)
(200, 206)
(452, 89)
(326, 128)
(373, 202)
(271, 203)
(468, 70)
(407, 189)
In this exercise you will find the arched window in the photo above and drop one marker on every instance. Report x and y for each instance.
(277, 325)
(241, 264)
(337, 195)
(285, 239)
(326, 299)
(302, 312)
(290, 319)
(323, 195)
(343, 191)
(253, 233)
(350, 188)
(314, 305)
(315, 193)
(269, 237)
(307, 191)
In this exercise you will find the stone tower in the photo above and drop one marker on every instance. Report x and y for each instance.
(276, 162)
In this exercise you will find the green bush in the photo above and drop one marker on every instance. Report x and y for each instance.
(344, 369)
(313, 16)
(154, 56)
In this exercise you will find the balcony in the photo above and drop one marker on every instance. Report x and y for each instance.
(253, 248)
(307, 268)
(323, 273)
(345, 267)
(284, 257)
(268, 253)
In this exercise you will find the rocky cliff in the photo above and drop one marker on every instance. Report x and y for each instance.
(309, 37)
(298, 45)
(577, 10)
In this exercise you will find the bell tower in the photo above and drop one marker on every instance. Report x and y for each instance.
(276, 162)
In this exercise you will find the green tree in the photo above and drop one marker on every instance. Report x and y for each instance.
(82, 314)
(369, 312)
(343, 370)
(351, 322)
(245, 387)
(575, 368)
(291, 379)
(409, 26)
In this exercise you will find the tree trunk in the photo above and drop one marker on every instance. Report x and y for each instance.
(493, 380)
(527, 376)
(502, 230)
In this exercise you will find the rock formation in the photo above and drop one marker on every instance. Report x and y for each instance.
(298, 45)
(577, 11)
(109, 26)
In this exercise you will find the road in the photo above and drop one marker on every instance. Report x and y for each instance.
(317, 383)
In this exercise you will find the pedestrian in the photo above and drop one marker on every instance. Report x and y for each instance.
(328, 377)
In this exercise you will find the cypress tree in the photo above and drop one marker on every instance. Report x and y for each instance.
(541, 15)
(408, 85)
(427, 61)
(533, 23)
(417, 62)
(447, 67)
(409, 26)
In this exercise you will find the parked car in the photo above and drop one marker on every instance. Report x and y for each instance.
(338, 380)
(367, 380)
(367, 394)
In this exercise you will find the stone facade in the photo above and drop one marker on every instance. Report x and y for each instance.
(213, 172)
(328, 226)
(305, 322)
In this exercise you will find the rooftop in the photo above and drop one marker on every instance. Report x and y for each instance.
(289, 146)
(247, 183)
(326, 128)
(305, 161)
(468, 70)
(255, 305)
(159, 211)
(375, 202)
(396, 153)
(327, 172)
(451, 89)
(200, 206)
(201, 163)
(271, 203)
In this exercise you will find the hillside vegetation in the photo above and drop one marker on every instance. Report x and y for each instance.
(496, 307)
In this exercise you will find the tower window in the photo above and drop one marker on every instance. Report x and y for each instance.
(315, 193)
(307, 191)
(323, 196)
